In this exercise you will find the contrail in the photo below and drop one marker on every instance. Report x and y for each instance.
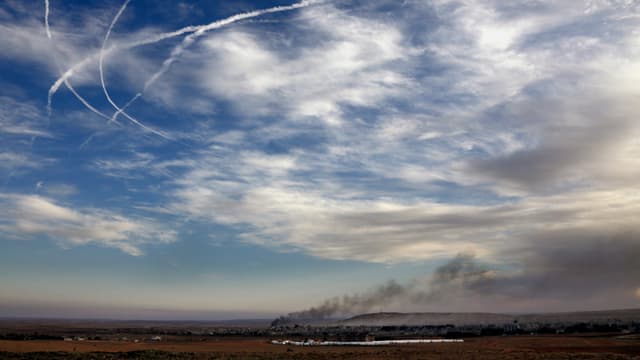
(175, 53)
(84, 101)
(190, 39)
(102, 82)
(46, 18)
(66, 82)
(86, 141)
(163, 36)
(80, 98)
(125, 106)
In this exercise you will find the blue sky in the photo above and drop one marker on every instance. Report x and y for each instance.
(241, 159)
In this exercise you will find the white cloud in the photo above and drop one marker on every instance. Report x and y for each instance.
(524, 111)
(56, 189)
(344, 62)
(21, 125)
(13, 161)
(30, 215)
(21, 119)
(513, 82)
(278, 211)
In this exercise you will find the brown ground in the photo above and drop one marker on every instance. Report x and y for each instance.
(515, 347)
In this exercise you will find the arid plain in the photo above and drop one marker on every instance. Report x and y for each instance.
(519, 347)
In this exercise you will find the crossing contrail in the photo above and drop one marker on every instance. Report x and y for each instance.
(102, 82)
(66, 81)
(84, 101)
(163, 36)
(101, 57)
(190, 39)
(125, 106)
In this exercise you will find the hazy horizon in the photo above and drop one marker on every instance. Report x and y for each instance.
(164, 315)
(321, 158)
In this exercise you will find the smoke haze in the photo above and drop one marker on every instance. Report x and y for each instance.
(563, 265)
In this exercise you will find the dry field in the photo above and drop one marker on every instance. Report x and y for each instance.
(516, 347)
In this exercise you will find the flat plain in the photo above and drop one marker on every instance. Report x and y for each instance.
(599, 346)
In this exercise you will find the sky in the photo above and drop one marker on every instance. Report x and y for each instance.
(243, 159)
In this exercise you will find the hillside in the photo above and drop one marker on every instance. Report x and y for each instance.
(459, 319)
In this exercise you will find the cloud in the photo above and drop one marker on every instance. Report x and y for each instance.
(283, 210)
(21, 123)
(138, 165)
(25, 38)
(364, 137)
(388, 132)
(56, 189)
(31, 215)
(12, 161)
(344, 64)
(502, 140)
(580, 139)
(21, 119)
(197, 31)
(177, 51)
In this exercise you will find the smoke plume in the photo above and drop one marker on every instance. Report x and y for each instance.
(565, 271)
(462, 271)
(350, 304)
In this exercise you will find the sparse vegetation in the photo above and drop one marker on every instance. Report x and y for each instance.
(526, 338)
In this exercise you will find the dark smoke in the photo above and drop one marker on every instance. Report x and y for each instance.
(461, 270)
(351, 304)
(571, 269)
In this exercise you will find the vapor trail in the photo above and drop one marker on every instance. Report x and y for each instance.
(46, 18)
(84, 101)
(124, 107)
(66, 81)
(163, 36)
(102, 82)
(190, 39)
(86, 141)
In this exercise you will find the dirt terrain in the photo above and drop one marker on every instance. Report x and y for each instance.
(513, 347)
